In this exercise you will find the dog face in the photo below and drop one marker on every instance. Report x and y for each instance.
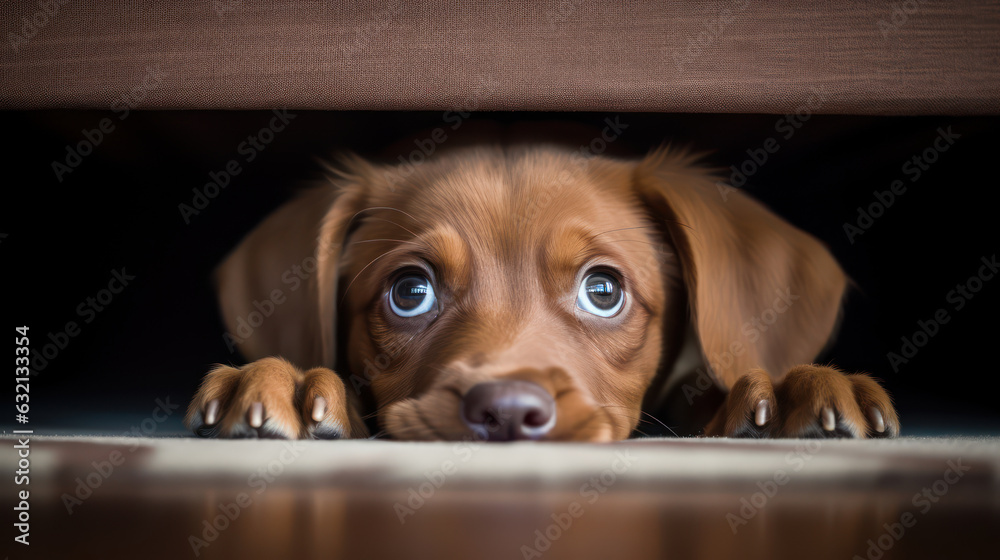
(528, 275)
(526, 292)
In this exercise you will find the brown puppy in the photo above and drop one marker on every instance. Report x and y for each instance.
(525, 292)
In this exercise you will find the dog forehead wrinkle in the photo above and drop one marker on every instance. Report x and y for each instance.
(464, 191)
(569, 247)
(450, 253)
(500, 293)
(488, 184)
(506, 203)
(497, 311)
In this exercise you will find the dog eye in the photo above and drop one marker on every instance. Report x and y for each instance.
(600, 294)
(412, 295)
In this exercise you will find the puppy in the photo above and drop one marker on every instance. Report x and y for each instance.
(526, 292)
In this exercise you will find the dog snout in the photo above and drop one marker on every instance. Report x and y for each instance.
(509, 410)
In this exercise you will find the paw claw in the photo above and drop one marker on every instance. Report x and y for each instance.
(255, 416)
(319, 409)
(809, 401)
(212, 412)
(762, 415)
(878, 423)
(829, 419)
(271, 398)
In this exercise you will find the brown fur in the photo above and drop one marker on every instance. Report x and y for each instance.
(506, 235)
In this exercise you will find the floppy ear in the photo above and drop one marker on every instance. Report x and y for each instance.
(277, 288)
(762, 292)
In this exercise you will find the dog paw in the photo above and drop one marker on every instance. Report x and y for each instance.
(324, 407)
(808, 402)
(270, 398)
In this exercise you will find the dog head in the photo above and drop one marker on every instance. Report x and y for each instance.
(527, 292)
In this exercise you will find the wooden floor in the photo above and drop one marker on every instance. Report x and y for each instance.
(187, 498)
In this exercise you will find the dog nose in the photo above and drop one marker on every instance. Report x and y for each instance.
(509, 410)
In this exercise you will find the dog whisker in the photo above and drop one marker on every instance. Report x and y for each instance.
(376, 240)
(359, 212)
(595, 236)
(640, 419)
(630, 418)
(660, 422)
(647, 242)
(407, 230)
(362, 272)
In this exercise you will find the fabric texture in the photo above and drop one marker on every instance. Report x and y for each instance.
(912, 57)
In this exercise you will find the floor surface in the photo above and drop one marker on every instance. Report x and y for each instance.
(94, 497)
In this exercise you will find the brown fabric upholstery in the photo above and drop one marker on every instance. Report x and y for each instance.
(852, 56)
